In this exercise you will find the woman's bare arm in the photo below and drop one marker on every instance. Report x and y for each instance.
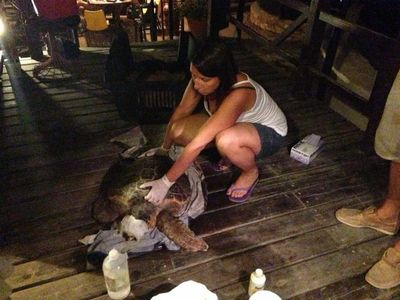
(189, 101)
(231, 108)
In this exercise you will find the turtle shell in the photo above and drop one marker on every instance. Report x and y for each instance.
(120, 193)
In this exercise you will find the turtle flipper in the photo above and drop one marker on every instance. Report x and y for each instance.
(179, 233)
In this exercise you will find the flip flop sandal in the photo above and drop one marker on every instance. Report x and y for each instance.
(246, 195)
(221, 165)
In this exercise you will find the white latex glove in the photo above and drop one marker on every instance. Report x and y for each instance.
(159, 189)
(158, 151)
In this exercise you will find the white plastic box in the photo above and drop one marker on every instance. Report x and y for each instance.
(307, 149)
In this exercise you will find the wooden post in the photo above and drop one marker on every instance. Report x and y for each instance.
(161, 8)
(217, 17)
(171, 19)
(239, 17)
(210, 9)
(313, 34)
(312, 44)
(331, 49)
(153, 24)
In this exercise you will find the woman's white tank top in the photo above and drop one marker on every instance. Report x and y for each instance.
(264, 111)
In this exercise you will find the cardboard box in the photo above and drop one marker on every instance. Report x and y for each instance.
(307, 149)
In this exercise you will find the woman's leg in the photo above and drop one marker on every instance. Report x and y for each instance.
(185, 129)
(240, 144)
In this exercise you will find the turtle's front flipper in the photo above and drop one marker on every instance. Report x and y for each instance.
(179, 233)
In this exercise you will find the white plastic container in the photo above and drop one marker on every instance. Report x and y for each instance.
(257, 281)
(265, 295)
(116, 275)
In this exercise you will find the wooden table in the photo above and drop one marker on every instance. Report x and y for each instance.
(115, 7)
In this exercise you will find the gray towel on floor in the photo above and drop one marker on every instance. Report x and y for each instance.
(106, 240)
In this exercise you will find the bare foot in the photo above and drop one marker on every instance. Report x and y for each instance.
(245, 180)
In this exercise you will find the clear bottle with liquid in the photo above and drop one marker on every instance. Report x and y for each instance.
(116, 275)
(257, 281)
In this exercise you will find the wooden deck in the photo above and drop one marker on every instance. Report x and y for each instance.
(55, 149)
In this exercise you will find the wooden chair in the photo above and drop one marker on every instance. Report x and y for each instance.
(55, 49)
(96, 28)
(56, 17)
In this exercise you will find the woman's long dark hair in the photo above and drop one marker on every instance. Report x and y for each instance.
(214, 59)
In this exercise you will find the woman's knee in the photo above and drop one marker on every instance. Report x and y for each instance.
(185, 129)
(177, 132)
(226, 141)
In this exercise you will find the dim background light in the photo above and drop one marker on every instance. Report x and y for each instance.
(2, 27)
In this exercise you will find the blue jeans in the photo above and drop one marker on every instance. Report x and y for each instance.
(270, 140)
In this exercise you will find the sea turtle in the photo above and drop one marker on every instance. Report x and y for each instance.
(120, 195)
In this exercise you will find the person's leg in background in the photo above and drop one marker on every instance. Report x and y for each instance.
(386, 272)
(29, 22)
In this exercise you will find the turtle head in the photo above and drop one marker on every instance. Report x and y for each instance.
(142, 209)
(103, 211)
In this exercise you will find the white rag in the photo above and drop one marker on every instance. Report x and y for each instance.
(187, 290)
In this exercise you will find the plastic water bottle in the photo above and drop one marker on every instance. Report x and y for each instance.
(257, 281)
(116, 274)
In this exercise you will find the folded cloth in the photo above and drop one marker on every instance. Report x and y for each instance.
(106, 240)
(187, 290)
(198, 199)
(133, 228)
(134, 138)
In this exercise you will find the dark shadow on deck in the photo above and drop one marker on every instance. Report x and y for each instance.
(58, 129)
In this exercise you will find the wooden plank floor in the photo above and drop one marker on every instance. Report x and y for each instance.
(55, 149)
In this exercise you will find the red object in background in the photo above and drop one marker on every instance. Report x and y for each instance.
(56, 9)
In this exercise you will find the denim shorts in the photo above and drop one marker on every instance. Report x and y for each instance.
(270, 140)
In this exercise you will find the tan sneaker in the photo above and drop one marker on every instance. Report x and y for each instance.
(385, 274)
(366, 218)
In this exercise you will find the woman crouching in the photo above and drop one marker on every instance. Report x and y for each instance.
(240, 117)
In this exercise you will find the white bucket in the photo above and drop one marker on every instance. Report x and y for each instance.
(264, 295)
